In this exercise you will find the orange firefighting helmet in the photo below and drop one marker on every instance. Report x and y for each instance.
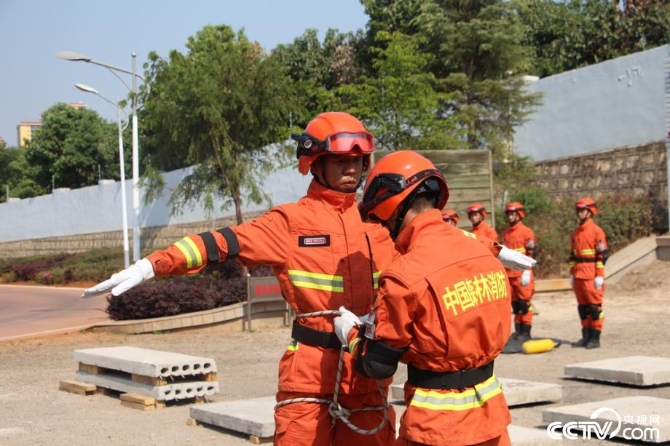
(516, 207)
(450, 214)
(476, 207)
(394, 178)
(587, 203)
(333, 133)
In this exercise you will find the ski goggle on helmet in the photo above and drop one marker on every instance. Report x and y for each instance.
(397, 177)
(334, 133)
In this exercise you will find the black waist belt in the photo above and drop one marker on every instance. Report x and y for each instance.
(584, 260)
(449, 380)
(315, 338)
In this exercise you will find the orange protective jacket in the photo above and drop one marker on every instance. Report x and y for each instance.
(483, 229)
(521, 239)
(323, 255)
(446, 299)
(588, 252)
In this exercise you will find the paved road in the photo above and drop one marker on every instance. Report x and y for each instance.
(29, 310)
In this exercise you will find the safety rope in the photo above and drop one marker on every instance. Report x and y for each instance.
(336, 410)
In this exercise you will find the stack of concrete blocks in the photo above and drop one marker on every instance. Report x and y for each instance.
(638, 418)
(163, 376)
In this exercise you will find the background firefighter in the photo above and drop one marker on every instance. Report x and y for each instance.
(588, 255)
(323, 256)
(443, 308)
(520, 238)
(477, 215)
(450, 216)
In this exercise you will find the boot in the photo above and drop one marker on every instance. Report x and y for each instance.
(524, 335)
(594, 340)
(586, 334)
(517, 331)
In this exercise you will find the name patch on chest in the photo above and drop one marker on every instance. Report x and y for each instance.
(311, 241)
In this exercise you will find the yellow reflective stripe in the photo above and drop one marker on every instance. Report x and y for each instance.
(190, 251)
(352, 344)
(572, 264)
(375, 279)
(469, 234)
(293, 346)
(599, 264)
(470, 399)
(316, 281)
(521, 250)
(587, 252)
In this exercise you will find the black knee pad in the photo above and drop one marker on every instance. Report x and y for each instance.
(594, 311)
(583, 311)
(522, 306)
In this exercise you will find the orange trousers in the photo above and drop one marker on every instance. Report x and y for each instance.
(503, 440)
(520, 292)
(307, 423)
(586, 294)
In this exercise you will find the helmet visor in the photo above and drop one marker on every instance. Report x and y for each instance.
(346, 142)
(338, 143)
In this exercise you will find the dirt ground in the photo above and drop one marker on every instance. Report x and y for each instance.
(34, 412)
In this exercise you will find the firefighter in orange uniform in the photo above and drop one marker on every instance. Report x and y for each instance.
(450, 216)
(520, 238)
(477, 215)
(588, 255)
(324, 257)
(442, 308)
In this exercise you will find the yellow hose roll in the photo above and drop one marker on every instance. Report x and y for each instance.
(538, 346)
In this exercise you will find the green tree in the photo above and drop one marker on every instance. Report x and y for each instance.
(479, 61)
(318, 69)
(400, 105)
(217, 106)
(73, 148)
(577, 33)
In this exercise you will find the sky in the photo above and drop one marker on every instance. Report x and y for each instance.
(32, 79)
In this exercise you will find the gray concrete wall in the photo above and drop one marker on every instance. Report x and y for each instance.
(614, 104)
(90, 217)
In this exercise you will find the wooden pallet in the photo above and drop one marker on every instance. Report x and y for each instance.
(253, 439)
(132, 400)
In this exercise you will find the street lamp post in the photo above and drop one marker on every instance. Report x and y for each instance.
(122, 168)
(72, 56)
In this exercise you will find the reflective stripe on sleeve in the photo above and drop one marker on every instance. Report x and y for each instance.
(470, 399)
(316, 281)
(190, 251)
(375, 279)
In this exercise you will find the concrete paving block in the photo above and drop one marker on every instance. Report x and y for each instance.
(169, 392)
(518, 392)
(251, 417)
(640, 419)
(145, 362)
(632, 370)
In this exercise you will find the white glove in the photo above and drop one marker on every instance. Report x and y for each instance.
(525, 277)
(344, 323)
(123, 280)
(572, 282)
(598, 282)
(515, 260)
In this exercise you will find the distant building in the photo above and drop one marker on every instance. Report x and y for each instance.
(78, 105)
(3, 144)
(25, 131)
